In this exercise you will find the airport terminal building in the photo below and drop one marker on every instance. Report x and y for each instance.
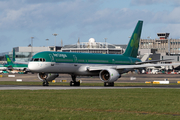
(161, 48)
(24, 54)
(162, 45)
(94, 47)
(167, 48)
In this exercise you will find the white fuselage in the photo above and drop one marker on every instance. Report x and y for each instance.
(3, 68)
(67, 68)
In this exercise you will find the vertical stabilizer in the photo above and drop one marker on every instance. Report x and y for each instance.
(133, 45)
(14, 54)
(9, 61)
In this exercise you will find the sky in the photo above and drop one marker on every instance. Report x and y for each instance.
(84, 19)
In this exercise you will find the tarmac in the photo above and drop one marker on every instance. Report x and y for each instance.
(126, 78)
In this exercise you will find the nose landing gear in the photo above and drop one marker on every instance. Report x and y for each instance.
(45, 83)
(74, 82)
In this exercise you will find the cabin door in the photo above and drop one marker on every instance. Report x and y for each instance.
(113, 61)
(52, 59)
(75, 60)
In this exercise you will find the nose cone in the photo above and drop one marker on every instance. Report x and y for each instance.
(32, 66)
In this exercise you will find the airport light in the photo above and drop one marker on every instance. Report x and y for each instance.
(47, 43)
(31, 45)
(105, 42)
(55, 38)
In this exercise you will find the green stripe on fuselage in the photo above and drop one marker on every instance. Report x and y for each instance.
(17, 65)
(86, 58)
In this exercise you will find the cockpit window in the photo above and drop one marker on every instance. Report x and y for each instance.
(42, 59)
(38, 59)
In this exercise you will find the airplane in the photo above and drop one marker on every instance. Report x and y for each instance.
(108, 67)
(11, 65)
(2, 67)
(14, 55)
(14, 59)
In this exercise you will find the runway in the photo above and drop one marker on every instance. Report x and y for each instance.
(37, 87)
(125, 78)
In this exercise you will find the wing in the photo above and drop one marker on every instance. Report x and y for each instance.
(121, 67)
(152, 61)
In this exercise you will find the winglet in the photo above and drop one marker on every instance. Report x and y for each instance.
(133, 45)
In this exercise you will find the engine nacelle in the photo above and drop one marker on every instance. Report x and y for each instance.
(47, 76)
(109, 75)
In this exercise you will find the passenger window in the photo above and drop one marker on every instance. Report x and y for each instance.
(36, 59)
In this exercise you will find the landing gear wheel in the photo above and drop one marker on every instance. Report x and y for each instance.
(77, 83)
(45, 83)
(111, 84)
(72, 83)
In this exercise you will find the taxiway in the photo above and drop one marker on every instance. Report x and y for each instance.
(34, 87)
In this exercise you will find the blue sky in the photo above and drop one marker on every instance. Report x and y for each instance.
(72, 19)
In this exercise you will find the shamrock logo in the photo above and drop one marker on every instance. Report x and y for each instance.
(134, 41)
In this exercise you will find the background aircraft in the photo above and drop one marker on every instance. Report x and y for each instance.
(10, 65)
(2, 67)
(108, 67)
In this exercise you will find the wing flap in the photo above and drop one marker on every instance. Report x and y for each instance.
(100, 68)
(152, 61)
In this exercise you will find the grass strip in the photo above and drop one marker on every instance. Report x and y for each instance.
(100, 104)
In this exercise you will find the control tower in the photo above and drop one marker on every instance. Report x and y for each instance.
(163, 36)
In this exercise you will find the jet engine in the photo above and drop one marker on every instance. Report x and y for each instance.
(47, 76)
(109, 75)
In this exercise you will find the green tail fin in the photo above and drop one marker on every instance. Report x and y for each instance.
(9, 61)
(14, 54)
(133, 45)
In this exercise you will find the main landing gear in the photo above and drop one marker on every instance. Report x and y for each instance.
(74, 82)
(110, 84)
(45, 83)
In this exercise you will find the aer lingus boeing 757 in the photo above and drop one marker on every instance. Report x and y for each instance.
(108, 67)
